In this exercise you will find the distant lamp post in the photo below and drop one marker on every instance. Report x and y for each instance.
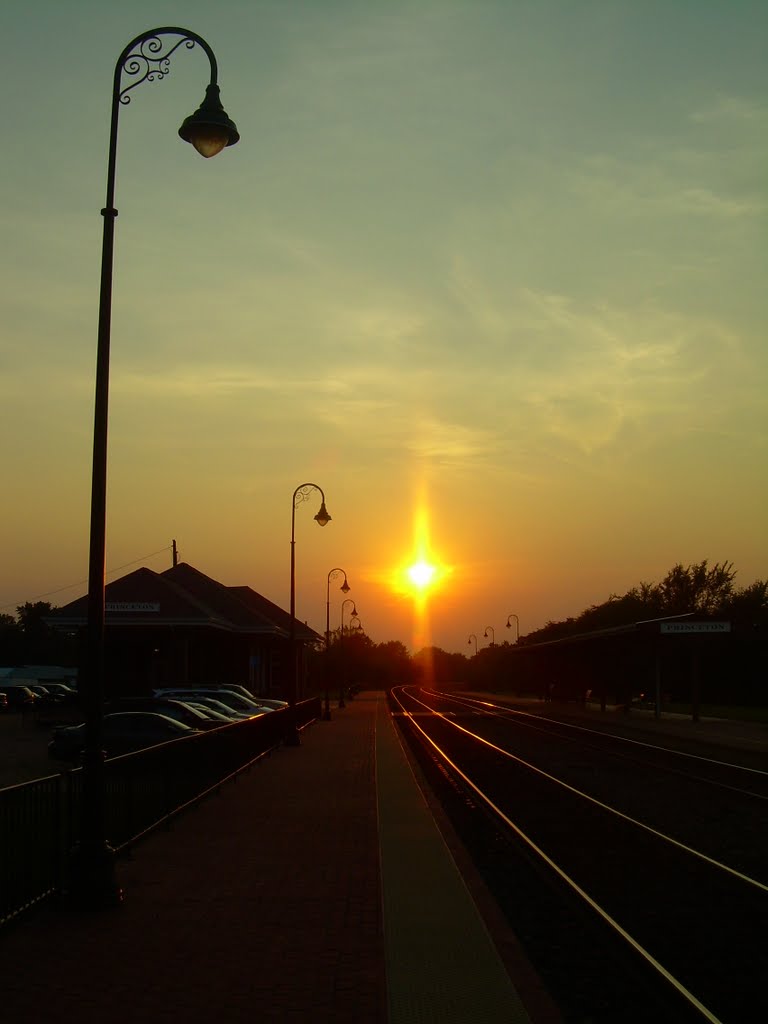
(344, 588)
(146, 59)
(470, 639)
(356, 627)
(517, 626)
(301, 494)
(353, 615)
(493, 635)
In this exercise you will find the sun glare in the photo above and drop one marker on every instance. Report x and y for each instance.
(421, 574)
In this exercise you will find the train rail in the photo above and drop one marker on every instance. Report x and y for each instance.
(646, 864)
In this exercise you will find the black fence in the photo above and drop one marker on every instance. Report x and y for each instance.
(40, 820)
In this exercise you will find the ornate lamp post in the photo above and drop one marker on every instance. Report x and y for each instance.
(517, 626)
(344, 588)
(145, 59)
(353, 615)
(493, 635)
(470, 638)
(302, 493)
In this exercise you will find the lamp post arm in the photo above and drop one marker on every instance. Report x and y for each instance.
(303, 492)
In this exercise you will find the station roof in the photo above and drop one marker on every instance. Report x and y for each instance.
(184, 596)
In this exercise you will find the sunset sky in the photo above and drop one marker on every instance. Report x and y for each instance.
(490, 272)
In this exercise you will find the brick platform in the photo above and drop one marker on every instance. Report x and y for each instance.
(292, 895)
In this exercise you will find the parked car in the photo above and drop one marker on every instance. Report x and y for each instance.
(122, 733)
(270, 702)
(177, 709)
(20, 697)
(266, 702)
(45, 698)
(224, 709)
(222, 717)
(228, 697)
(67, 694)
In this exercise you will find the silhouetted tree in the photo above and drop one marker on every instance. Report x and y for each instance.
(39, 643)
(698, 588)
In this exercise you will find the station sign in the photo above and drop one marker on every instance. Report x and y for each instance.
(132, 606)
(695, 627)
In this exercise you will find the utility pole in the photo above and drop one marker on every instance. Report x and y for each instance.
(175, 554)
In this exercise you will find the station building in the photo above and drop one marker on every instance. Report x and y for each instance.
(183, 628)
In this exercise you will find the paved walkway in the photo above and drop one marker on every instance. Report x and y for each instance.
(317, 887)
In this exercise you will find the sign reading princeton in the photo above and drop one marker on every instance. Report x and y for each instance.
(695, 627)
(132, 606)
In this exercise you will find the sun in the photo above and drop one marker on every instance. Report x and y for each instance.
(421, 574)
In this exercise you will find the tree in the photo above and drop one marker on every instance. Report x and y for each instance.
(697, 588)
(40, 643)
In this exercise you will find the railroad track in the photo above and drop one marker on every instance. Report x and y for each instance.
(635, 875)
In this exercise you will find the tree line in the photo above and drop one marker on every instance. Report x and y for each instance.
(705, 590)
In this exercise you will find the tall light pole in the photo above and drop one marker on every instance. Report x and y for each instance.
(517, 626)
(301, 494)
(353, 615)
(92, 878)
(470, 638)
(344, 588)
(493, 635)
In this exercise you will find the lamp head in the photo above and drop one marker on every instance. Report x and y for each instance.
(322, 518)
(209, 129)
(345, 587)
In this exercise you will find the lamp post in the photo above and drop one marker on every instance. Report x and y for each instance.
(92, 878)
(356, 626)
(493, 635)
(517, 626)
(302, 493)
(353, 615)
(344, 588)
(470, 639)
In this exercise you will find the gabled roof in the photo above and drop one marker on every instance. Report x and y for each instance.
(259, 605)
(184, 596)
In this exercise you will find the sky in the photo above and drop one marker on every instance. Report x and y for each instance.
(491, 273)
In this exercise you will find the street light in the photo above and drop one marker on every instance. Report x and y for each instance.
(470, 639)
(493, 635)
(302, 493)
(344, 588)
(517, 626)
(353, 615)
(92, 871)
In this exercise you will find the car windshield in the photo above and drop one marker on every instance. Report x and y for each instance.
(211, 712)
(236, 700)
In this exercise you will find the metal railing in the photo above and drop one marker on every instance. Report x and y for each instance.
(40, 820)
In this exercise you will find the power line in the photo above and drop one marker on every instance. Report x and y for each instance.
(109, 572)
